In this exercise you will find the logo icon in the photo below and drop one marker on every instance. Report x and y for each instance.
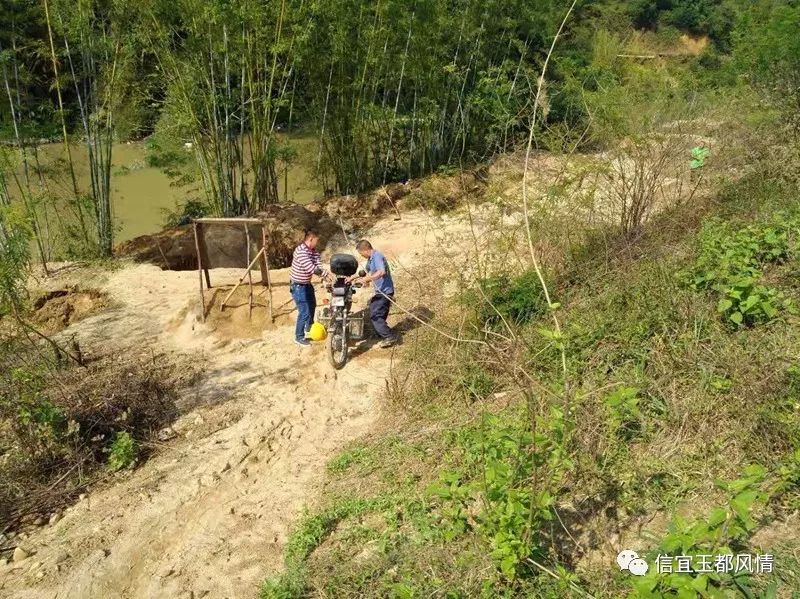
(630, 560)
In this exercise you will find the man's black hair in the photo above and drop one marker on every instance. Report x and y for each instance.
(363, 245)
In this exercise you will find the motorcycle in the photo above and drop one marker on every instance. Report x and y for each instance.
(336, 315)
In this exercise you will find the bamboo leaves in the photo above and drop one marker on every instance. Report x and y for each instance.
(398, 89)
(230, 70)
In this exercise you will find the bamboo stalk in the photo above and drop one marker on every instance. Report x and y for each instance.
(324, 117)
(64, 122)
(397, 99)
(26, 192)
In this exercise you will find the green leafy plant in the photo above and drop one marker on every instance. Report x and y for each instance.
(730, 265)
(788, 485)
(624, 413)
(494, 495)
(123, 452)
(725, 530)
(348, 458)
(165, 152)
(476, 381)
(186, 212)
(36, 421)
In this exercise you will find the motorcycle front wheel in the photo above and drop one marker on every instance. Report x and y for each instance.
(337, 344)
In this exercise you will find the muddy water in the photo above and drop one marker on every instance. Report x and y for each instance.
(143, 195)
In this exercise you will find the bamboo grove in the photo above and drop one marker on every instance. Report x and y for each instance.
(390, 89)
(393, 89)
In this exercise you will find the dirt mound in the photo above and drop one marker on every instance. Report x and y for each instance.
(174, 248)
(694, 44)
(442, 193)
(236, 321)
(171, 249)
(56, 310)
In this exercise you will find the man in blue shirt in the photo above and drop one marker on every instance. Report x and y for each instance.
(380, 276)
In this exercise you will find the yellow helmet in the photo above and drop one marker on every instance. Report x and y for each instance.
(317, 332)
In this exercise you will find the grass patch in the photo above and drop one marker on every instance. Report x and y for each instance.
(309, 534)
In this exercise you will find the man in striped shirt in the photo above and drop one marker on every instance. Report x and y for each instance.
(306, 262)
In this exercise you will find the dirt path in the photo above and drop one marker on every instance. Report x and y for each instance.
(210, 513)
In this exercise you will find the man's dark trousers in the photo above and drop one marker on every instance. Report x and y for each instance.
(306, 302)
(378, 313)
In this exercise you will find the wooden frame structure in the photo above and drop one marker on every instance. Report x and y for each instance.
(203, 262)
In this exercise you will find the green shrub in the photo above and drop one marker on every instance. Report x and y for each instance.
(624, 412)
(788, 486)
(165, 152)
(730, 264)
(501, 456)
(476, 381)
(726, 530)
(123, 452)
(645, 14)
(517, 299)
(698, 17)
(767, 49)
(36, 421)
(186, 212)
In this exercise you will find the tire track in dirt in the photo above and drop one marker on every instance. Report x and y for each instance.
(209, 514)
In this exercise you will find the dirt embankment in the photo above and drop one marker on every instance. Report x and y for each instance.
(174, 248)
(55, 310)
(350, 216)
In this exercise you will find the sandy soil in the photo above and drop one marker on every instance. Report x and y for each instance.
(210, 513)
(57, 309)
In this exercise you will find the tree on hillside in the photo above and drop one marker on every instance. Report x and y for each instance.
(714, 18)
(767, 50)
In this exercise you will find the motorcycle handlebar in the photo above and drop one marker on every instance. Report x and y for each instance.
(329, 286)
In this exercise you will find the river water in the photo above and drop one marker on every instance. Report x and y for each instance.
(143, 195)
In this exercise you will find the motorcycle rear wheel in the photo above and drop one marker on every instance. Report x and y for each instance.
(337, 345)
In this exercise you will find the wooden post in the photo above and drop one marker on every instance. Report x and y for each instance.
(204, 251)
(241, 279)
(263, 263)
(265, 270)
(249, 272)
(200, 270)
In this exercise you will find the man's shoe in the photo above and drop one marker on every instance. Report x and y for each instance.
(303, 342)
(388, 342)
